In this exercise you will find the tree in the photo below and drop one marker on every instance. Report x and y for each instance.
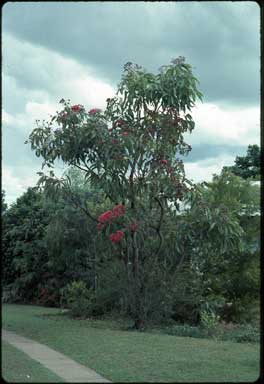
(24, 249)
(129, 152)
(248, 166)
(228, 208)
(4, 204)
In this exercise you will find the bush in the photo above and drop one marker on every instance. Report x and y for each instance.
(79, 299)
(209, 321)
(243, 334)
(238, 333)
(48, 297)
(111, 287)
(246, 310)
(48, 291)
(187, 296)
(10, 294)
(187, 330)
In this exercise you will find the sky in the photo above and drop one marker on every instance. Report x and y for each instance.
(77, 50)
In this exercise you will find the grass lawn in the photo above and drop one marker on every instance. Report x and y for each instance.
(17, 367)
(128, 356)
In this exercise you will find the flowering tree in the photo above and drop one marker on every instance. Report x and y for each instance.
(130, 152)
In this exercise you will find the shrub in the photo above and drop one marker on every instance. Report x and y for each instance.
(187, 330)
(111, 288)
(245, 310)
(187, 297)
(209, 319)
(237, 333)
(47, 297)
(243, 334)
(10, 294)
(79, 299)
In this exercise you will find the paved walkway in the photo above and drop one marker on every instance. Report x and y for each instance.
(66, 368)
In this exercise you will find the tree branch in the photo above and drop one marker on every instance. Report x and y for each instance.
(78, 205)
(159, 226)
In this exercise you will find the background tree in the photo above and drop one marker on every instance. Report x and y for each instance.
(248, 166)
(24, 249)
(3, 204)
(228, 208)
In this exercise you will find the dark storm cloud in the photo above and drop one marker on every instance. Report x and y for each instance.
(220, 39)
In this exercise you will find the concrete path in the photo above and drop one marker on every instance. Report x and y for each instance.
(66, 368)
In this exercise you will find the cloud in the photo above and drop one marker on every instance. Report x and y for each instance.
(17, 178)
(204, 169)
(38, 83)
(205, 151)
(25, 122)
(219, 125)
(7, 119)
(220, 39)
(23, 104)
(33, 92)
(15, 181)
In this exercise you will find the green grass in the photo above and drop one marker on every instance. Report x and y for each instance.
(126, 356)
(17, 367)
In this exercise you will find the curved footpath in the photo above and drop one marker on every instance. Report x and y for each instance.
(63, 366)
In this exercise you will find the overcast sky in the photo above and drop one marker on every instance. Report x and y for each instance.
(77, 50)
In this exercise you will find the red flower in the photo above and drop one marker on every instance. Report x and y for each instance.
(164, 161)
(125, 133)
(105, 217)
(94, 111)
(119, 210)
(115, 141)
(76, 108)
(116, 237)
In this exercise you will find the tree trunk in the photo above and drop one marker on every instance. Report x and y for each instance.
(139, 324)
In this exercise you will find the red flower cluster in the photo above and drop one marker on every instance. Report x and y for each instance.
(164, 161)
(125, 133)
(76, 108)
(116, 237)
(119, 210)
(105, 217)
(94, 111)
